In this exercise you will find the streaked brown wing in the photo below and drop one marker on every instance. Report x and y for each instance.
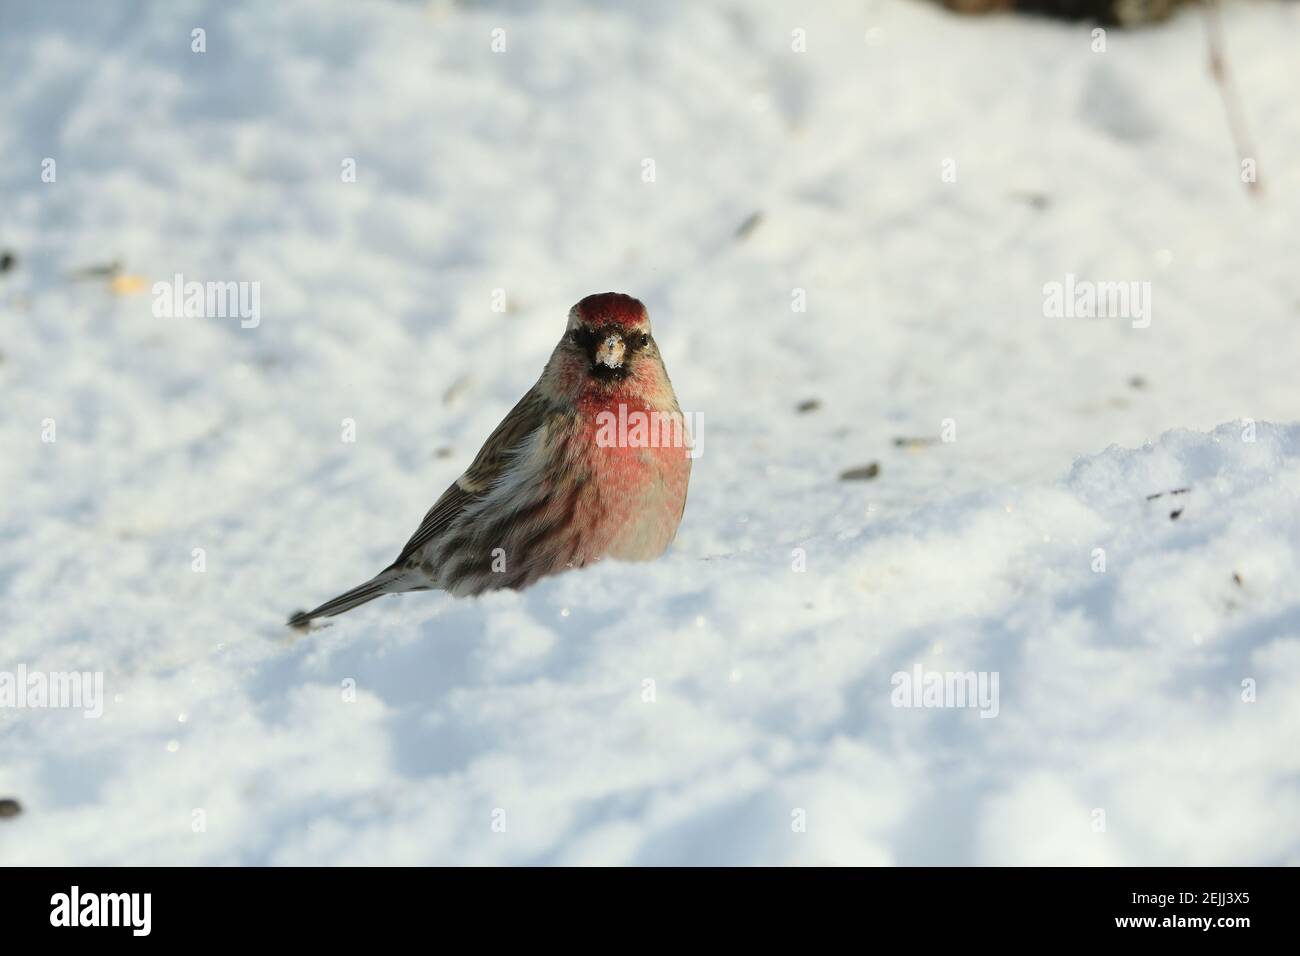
(524, 419)
(487, 467)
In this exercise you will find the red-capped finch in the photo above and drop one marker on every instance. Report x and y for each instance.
(592, 463)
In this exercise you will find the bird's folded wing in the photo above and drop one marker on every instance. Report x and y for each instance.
(488, 466)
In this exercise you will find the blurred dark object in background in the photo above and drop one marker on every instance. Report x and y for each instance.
(1122, 13)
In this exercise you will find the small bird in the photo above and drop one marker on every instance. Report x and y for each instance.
(592, 463)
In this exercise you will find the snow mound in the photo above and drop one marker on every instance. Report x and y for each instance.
(739, 710)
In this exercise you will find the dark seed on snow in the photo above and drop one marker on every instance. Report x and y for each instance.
(861, 473)
(749, 225)
(1161, 494)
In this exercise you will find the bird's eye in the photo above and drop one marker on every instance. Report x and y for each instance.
(642, 340)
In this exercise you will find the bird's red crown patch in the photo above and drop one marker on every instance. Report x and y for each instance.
(612, 308)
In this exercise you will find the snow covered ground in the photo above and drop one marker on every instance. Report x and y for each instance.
(918, 180)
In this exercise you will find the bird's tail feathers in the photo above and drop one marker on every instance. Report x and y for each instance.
(385, 582)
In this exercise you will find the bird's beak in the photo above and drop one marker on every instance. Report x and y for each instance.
(610, 351)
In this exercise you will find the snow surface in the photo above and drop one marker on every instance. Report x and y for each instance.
(516, 728)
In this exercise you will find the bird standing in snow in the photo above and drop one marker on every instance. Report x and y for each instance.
(592, 463)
